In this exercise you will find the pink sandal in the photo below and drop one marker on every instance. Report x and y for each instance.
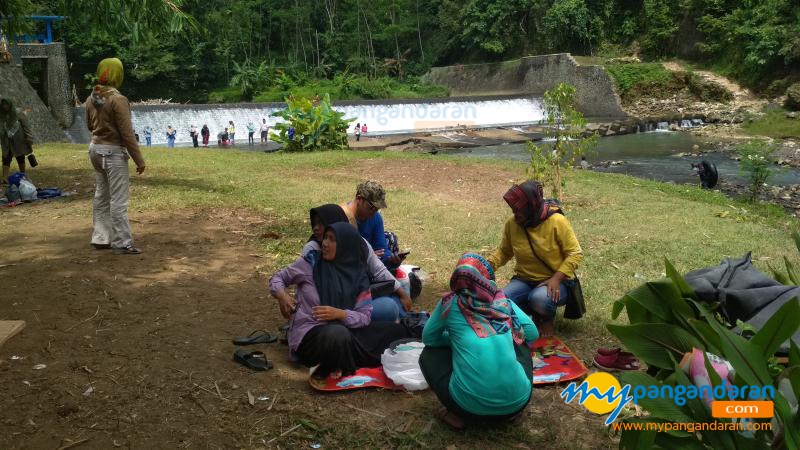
(616, 361)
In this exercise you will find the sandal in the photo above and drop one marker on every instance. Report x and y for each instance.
(256, 337)
(129, 250)
(618, 361)
(614, 351)
(252, 360)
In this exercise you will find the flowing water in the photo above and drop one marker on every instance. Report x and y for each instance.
(380, 119)
(653, 156)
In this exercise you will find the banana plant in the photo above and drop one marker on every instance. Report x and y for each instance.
(316, 125)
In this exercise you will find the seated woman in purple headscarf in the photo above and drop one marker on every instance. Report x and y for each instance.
(330, 322)
(547, 253)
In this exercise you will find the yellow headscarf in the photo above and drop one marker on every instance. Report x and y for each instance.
(110, 72)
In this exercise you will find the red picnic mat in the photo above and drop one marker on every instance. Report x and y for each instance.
(364, 377)
(554, 362)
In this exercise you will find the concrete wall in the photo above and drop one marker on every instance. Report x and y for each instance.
(14, 85)
(595, 93)
(59, 96)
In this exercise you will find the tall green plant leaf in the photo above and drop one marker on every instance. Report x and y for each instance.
(791, 272)
(710, 338)
(780, 327)
(702, 413)
(666, 440)
(779, 276)
(745, 357)
(680, 282)
(637, 440)
(660, 298)
(655, 343)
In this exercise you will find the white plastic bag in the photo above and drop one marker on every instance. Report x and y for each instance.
(401, 364)
(27, 191)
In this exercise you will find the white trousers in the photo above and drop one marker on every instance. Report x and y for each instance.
(110, 206)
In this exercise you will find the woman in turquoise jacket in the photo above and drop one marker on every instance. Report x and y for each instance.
(477, 356)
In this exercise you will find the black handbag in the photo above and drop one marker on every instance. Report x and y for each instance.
(576, 306)
(381, 289)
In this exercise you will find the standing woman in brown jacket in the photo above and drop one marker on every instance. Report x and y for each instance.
(108, 116)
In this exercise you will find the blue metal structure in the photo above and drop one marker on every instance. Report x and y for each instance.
(45, 37)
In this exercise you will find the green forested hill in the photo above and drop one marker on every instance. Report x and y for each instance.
(756, 41)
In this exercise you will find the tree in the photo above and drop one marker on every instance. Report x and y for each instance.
(569, 26)
(135, 18)
(565, 125)
(248, 77)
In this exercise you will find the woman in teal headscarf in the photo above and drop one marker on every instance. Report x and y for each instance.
(108, 117)
(16, 138)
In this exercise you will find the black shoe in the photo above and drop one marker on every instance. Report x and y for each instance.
(101, 246)
(129, 250)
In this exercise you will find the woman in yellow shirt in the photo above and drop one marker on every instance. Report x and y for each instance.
(541, 240)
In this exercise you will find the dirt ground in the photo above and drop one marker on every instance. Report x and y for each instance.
(137, 349)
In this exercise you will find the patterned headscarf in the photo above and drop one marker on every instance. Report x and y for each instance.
(527, 202)
(110, 73)
(484, 305)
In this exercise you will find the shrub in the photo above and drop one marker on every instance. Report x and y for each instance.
(755, 163)
(565, 125)
(228, 94)
(628, 76)
(313, 123)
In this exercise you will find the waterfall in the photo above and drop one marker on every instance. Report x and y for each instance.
(381, 118)
(686, 124)
(662, 126)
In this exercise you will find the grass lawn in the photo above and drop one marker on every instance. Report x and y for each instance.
(439, 207)
(442, 206)
(773, 124)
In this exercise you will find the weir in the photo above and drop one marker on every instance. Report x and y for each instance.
(381, 117)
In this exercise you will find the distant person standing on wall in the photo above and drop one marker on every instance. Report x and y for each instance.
(231, 132)
(148, 135)
(364, 130)
(264, 131)
(108, 117)
(206, 133)
(251, 129)
(16, 138)
(358, 131)
(194, 134)
(171, 134)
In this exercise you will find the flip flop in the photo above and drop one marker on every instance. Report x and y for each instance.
(614, 351)
(616, 362)
(256, 337)
(252, 360)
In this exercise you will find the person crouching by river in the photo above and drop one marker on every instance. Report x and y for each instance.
(477, 356)
(108, 117)
(330, 322)
(16, 138)
(547, 253)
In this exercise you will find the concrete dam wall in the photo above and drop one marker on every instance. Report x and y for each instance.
(533, 75)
